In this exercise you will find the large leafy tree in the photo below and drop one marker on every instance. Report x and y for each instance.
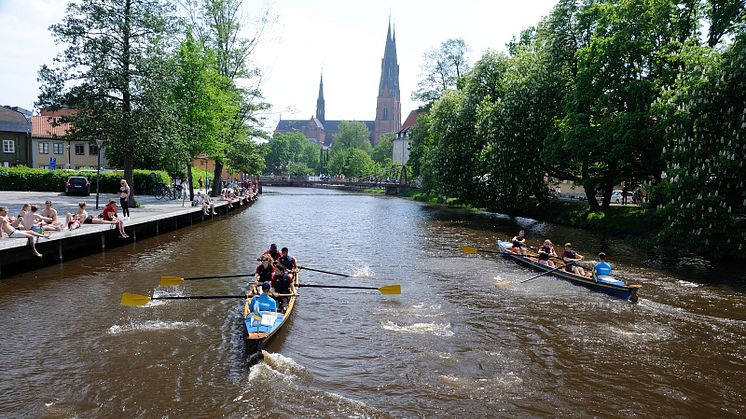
(107, 73)
(292, 153)
(383, 152)
(352, 163)
(352, 134)
(441, 70)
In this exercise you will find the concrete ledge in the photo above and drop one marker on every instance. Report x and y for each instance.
(16, 255)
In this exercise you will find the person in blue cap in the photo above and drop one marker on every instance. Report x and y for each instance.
(263, 301)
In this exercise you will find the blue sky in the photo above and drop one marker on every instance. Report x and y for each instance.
(345, 38)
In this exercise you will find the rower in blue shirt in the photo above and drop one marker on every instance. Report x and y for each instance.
(602, 268)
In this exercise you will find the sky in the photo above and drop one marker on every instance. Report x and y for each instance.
(344, 39)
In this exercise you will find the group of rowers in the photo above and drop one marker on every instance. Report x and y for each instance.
(274, 280)
(569, 258)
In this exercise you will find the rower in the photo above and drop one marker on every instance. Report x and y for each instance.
(570, 255)
(546, 251)
(272, 251)
(519, 243)
(602, 268)
(287, 261)
(282, 287)
(264, 271)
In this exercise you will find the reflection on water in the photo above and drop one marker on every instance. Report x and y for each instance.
(463, 338)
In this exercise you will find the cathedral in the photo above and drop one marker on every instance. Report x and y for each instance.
(388, 105)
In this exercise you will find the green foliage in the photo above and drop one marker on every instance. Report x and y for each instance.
(442, 68)
(352, 163)
(42, 180)
(291, 149)
(352, 134)
(384, 150)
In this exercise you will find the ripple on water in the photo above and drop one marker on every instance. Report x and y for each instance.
(436, 329)
(152, 325)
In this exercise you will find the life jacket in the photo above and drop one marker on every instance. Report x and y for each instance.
(282, 283)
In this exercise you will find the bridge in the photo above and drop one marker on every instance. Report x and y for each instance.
(391, 187)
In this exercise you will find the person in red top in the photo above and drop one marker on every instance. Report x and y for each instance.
(272, 252)
(264, 272)
(570, 255)
(282, 287)
(109, 216)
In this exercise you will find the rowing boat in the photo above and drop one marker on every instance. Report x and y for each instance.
(260, 329)
(604, 283)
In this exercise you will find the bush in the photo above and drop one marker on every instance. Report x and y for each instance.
(22, 178)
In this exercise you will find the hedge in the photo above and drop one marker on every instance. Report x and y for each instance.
(43, 180)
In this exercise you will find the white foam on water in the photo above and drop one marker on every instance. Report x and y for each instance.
(363, 272)
(688, 284)
(437, 329)
(151, 325)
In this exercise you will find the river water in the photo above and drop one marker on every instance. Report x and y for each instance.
(459, 340)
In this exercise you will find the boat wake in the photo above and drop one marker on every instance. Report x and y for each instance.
(151, 325)
(436, 329)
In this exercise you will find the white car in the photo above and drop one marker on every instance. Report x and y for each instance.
(616, 196)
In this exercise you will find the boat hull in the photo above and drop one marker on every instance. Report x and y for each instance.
(626, 292)
(256, 337)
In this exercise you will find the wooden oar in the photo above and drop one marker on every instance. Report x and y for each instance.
(472, 250)
(168, 281)
(324, 272)
(547, 272)
(140, 300)
(386, 289)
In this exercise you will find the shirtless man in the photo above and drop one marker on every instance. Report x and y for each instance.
(8, 229)
(31, 219)
(51, 213)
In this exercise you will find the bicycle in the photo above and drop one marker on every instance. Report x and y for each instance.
(162, 191)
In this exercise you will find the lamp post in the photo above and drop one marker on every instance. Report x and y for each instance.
(99, 143)
(67, 146)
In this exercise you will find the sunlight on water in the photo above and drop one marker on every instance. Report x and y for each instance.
(152, 325)
(437, 329)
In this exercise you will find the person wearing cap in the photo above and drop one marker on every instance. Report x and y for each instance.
(570, 255)
(287, 261)
(264, 300)
(282, 286)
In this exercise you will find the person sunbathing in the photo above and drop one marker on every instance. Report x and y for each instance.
(7, 228)
(74, 221)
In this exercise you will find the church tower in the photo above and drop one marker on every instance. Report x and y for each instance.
(388, 105)
(320, 101)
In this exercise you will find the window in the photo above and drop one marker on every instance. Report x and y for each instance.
(79, 149)
(6, 164)
(92, 149)
(43, 147)
(385, 113)
(43, 166)
(9, 146)
(58, 148)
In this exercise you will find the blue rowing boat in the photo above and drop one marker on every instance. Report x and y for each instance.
(604, 283)
(261, 326)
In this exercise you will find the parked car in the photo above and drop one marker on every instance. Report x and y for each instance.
(616, 196)
(77, 185)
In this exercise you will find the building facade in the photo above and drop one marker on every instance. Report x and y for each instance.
(15, 137)
(401, 141)
(388, 105)
(51, 148)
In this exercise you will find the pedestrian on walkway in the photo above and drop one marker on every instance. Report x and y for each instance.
(124, 198)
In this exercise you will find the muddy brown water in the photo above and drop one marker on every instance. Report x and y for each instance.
(455, 342)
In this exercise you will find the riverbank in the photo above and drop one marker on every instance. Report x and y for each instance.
(152, 218)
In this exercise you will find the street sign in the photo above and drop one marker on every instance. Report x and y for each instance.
(52, 163)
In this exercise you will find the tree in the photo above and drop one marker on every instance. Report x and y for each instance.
(291, 149)
(105, 72)
(352, 134)
(441, 70)
(384, 149)
(351, 162)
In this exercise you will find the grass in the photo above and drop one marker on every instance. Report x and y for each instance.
(375, 190)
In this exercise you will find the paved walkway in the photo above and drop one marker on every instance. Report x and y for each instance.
(151, 209)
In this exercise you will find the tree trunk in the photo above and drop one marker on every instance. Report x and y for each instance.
(127, 102)
(216, 179)
(590, 187)
(189, 180)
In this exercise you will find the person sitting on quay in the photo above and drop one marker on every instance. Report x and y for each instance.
(109, 216)
(570, 255)
(74, 221)
(51, 213)
(208, 206)
(35, 222)
(7, 228)
(18, 222)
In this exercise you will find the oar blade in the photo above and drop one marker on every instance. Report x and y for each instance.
(134, 299)
(469, 249)
(170, 281)
(390, 289)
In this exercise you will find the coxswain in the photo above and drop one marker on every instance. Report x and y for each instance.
(266, 303)
(602, 268)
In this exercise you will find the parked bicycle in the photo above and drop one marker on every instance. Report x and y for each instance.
(163, 191)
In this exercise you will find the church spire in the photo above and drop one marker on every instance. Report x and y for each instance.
(388, 104)
(320, 100)
(389, 64)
